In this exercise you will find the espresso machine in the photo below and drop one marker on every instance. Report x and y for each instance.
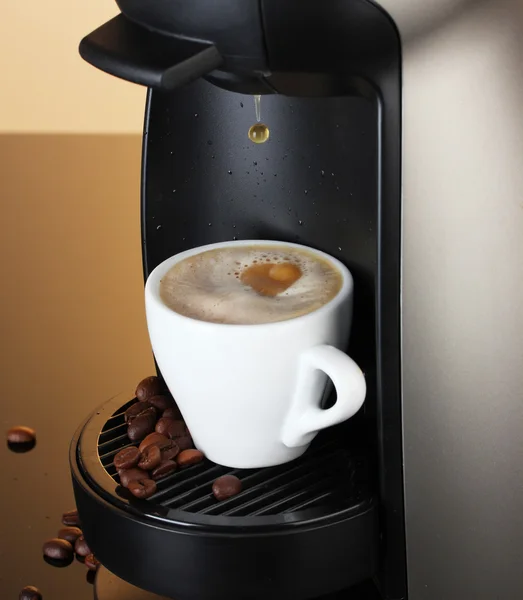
(396, 146)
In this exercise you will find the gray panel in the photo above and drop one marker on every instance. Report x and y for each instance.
(463, 297)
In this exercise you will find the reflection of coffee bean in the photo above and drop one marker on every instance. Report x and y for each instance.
(71, 534)
(226, 487)
(172, 413)
(151, 458)
(156, 439)
(128, 475)
(142, 489)
(81, 548)
(171, 428)
(21, 435)
(57, 563)
(185, 442)
(170, 453)
(189, 457)
(71, 518)
(150, 386)
(58, 549)
(90, 577)
(91, 562)
(165, 468)
(142, 425)
(30, 593)
(161, 403)
(127, 458)
(133, 411)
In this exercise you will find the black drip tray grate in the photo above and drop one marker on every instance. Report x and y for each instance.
(327, 475)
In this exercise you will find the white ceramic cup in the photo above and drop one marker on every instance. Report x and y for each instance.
(251, 394)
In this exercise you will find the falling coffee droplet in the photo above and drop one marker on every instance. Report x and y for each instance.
(259, 132)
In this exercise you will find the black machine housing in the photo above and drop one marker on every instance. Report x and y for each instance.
(329, 177)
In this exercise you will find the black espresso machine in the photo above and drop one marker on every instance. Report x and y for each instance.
(381, 153)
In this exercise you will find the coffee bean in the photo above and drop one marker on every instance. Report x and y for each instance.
(142, 425)
(142, 489)
(81, 548)
(171, 428)
(21, 439)
(71, 534)
(226, 487)
(128, 475)
(30, 592)
(71, 518)
(133, 411)
(58, 549)
(91, 562)
(21, 435)
(150, 386)
(127, 458)
(171, 453)
(155, 439)
(185, 442)
(165, 468)
(161, 403)
(172, 413)
(186, 458)
(151, 458)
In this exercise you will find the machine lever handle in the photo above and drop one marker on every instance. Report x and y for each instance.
(131, 52)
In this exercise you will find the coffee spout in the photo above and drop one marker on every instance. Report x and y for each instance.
(131, 52)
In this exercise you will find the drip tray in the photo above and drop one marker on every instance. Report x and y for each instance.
(298, 530)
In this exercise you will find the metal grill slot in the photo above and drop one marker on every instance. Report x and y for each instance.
(108, 457)
(289, 499)
(117, 419)
(110, 434)
(316, 501)
(113, 445)
(269, 488)
(196, 487)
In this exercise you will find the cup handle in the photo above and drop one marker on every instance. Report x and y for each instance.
(306, 417)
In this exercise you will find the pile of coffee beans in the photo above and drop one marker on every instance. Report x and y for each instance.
(60, 551)
(69, 542)
(165, 444)
(157, 424)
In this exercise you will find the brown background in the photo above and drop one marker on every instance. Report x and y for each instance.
(72, 323)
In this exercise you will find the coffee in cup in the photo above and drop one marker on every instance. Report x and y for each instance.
(250, 284)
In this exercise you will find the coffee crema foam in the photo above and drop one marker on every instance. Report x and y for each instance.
(212, 286)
